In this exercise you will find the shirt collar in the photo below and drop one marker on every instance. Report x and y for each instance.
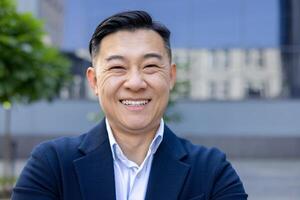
(152, 148)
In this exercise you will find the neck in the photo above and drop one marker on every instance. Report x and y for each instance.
(134, 146)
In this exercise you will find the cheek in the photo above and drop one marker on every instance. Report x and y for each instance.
(108, 85)
(160, 81)
(106, 93)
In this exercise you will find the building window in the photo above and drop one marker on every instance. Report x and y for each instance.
(220, 58)
(247, 57)
(226, 58)
(257, 89)
(210, 59)
(260, 58)
(226, 89)
(213, 89)
(255, 58)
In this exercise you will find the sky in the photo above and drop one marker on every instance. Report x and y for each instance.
(193, 23)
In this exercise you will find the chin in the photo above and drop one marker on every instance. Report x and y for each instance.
(135, 126)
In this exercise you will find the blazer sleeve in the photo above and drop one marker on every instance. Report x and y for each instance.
(227, 184)
(38, 180)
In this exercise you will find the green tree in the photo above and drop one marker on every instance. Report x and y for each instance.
(30, 70)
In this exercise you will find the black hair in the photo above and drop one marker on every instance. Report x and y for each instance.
(129, 20)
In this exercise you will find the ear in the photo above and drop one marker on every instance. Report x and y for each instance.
(172, 75)
(92, 79)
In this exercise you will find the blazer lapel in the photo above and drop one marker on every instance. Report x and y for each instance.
(95, 169)
(168, 172)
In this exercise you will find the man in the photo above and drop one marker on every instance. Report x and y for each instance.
(131, 154)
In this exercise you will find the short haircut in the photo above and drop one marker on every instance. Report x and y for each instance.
(131, 21)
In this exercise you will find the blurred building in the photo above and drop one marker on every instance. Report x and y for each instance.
(290, 45)
(231, 74)
(78, 89)
(212, 74)
(224, 49)
(51, 12)
(232, 59)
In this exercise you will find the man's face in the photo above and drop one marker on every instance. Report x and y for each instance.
(132, 78)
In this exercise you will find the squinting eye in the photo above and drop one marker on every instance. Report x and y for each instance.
(151, 68)
(117, 67)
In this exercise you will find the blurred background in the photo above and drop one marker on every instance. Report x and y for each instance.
(238, 84)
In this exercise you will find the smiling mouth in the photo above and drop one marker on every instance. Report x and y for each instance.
(135, 102)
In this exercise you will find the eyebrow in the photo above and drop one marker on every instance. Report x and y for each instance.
(115, 57)
(153, 55)
(148, 55)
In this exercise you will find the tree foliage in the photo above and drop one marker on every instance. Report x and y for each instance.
(30, 70)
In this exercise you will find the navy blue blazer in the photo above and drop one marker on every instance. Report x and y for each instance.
(77, 168)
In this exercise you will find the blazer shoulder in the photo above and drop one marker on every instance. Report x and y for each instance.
(72, 147)
(201, 150)
(61, 146)
(48, 167)
(202, 155)
(211, 166)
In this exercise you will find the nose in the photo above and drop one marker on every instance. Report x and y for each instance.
(135, 81)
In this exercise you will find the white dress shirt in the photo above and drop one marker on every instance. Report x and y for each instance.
(130, 179)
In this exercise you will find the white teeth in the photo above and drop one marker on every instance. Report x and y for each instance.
(134, 103)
